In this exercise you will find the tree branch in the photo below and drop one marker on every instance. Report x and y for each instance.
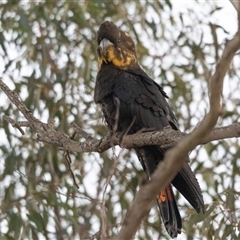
(47, 134)
(175, 158)
(236, 4)
(166, 138)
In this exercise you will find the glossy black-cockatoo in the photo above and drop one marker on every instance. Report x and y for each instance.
(123, 89)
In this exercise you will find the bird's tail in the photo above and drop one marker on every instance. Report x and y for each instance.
(185, 182)
(169, 211)
(149, 158)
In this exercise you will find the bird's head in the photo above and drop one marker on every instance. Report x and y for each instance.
(115, 46)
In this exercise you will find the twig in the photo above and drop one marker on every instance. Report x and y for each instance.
(80, 131)
(103, 212)
(16, 124)
(69, 161)
(115, 127)
(14, 98)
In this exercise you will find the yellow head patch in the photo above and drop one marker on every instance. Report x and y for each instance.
(120, 58)
(115, 46)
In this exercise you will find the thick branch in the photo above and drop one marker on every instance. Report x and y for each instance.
(176, 156)
(166, 138)
(47, 134)
(236, 4)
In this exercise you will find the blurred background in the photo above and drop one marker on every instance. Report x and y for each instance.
(48, 56)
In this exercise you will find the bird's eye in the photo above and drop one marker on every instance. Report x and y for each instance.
(118, 40)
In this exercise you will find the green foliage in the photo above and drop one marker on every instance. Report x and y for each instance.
(48, 56)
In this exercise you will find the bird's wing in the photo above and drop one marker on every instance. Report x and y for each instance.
(143, 100)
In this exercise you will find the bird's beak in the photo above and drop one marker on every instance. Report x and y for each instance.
(103, 46)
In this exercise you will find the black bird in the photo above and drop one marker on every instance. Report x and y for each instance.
(123, 89)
